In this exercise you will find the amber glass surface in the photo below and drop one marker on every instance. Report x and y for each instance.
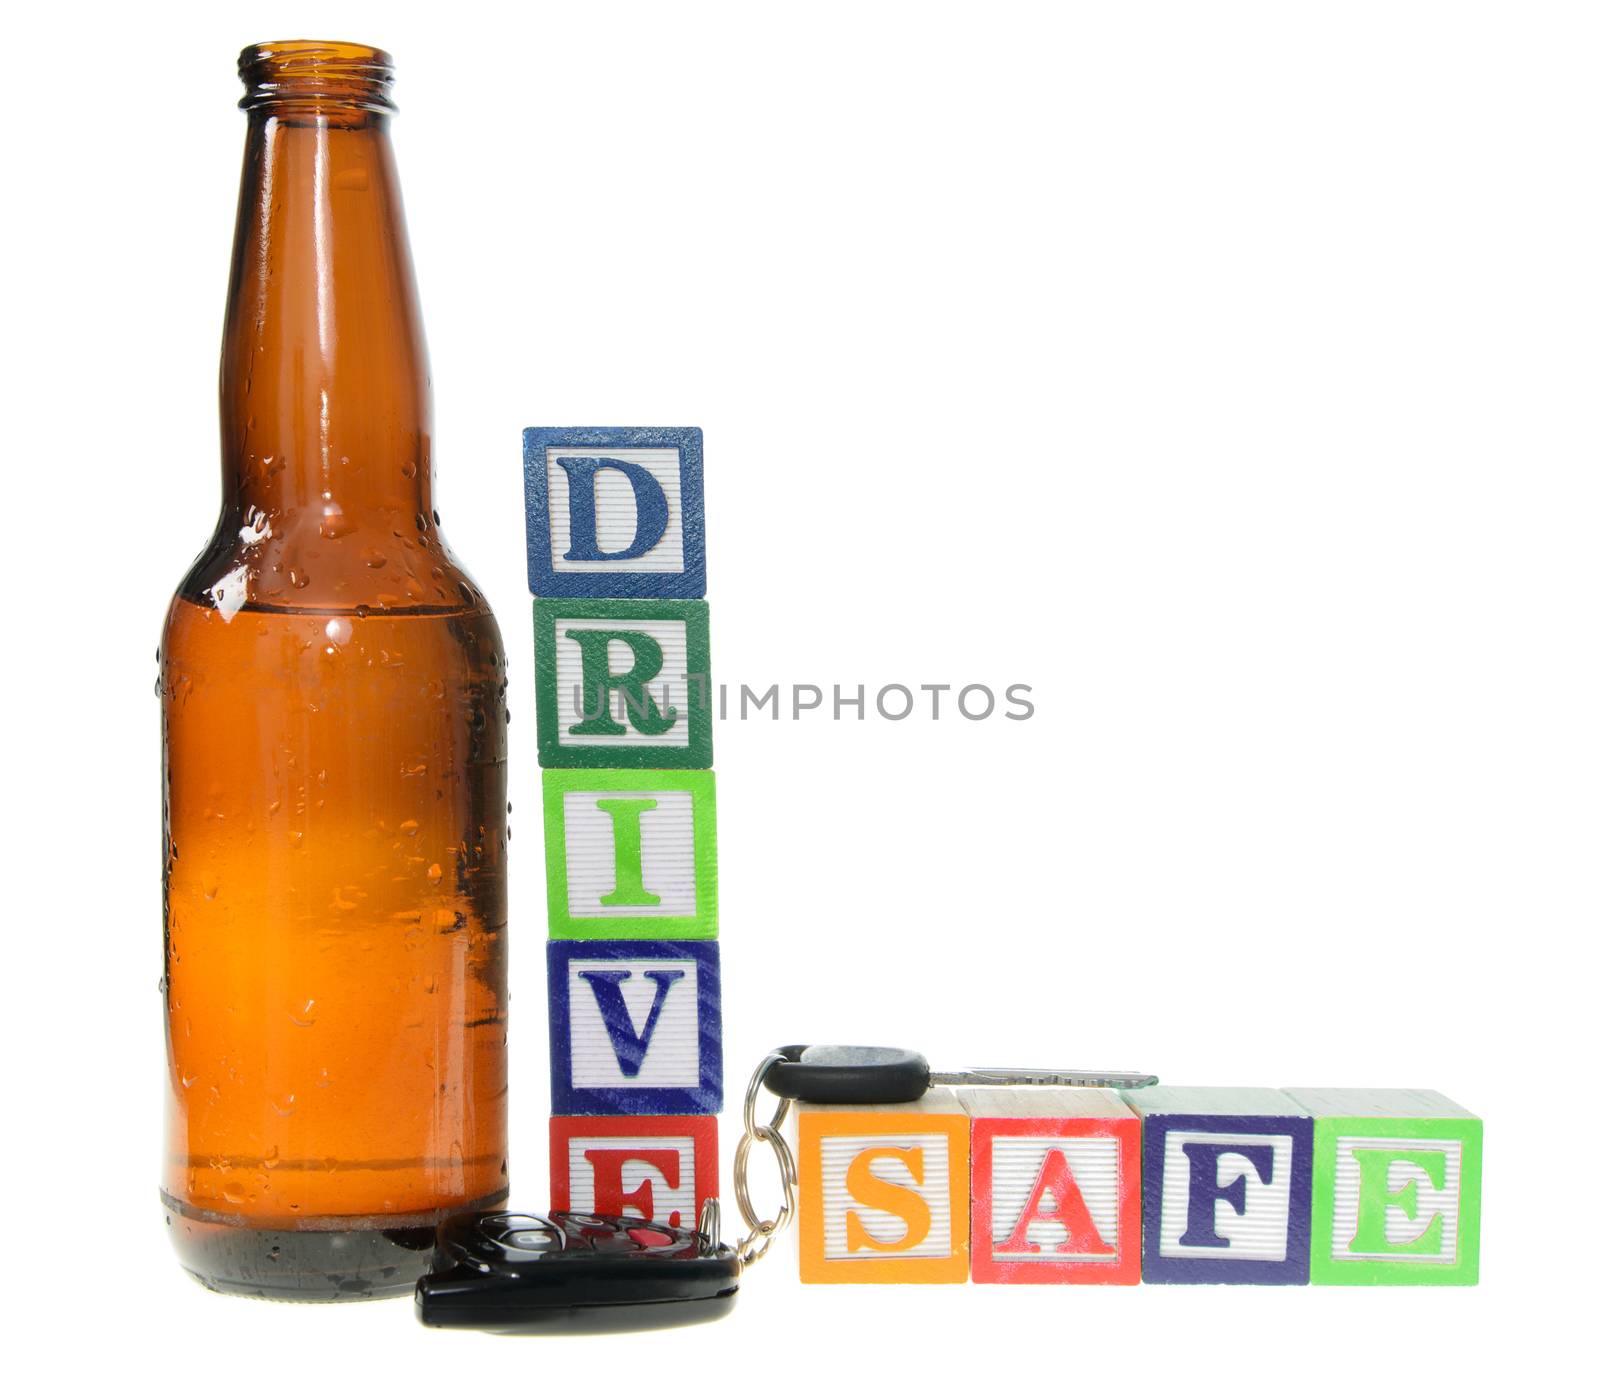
(333, 702)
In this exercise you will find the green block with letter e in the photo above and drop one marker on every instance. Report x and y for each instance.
(622, 683)
(631, 854)
(1396, 1187)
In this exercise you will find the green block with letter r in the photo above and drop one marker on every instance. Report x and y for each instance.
(622, 684)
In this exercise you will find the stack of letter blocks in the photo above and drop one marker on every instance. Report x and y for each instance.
(617, 564)
(1168, 1185)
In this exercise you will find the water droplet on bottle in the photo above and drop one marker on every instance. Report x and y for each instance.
(305, 1014)
(210, 884)
(284, 1104)
(409, 828)
(375, 557)
(435, 872)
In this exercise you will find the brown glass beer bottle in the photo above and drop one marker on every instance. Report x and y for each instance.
(334, 736)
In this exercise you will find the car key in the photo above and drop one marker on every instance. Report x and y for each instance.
(856, 1075)
(889, 1075)
(504, 1271)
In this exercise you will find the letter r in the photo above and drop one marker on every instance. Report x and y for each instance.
(599, 682)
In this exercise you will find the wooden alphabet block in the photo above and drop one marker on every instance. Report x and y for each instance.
(1227, 1185)
(631, 854)
(635, 1027)
(623, 684)
(1396, 1193)
(1055, 1187)
(615, 511)
(883, 1192)
(659, 1168)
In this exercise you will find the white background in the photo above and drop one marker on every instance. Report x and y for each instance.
(1225, 371)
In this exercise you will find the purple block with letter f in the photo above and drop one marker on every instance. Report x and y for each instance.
(1227, 1185)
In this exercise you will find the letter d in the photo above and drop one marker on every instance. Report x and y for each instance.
(649, 499)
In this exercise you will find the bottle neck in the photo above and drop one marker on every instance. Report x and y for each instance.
(324, 385)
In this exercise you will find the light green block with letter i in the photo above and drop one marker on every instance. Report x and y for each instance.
(1396, 1187)
(631, 854)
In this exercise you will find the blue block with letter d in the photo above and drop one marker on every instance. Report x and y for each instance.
(615, 511)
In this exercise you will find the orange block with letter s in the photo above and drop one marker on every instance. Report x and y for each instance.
(884, 1192)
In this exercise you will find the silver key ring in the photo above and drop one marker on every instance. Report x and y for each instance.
(763, 1232)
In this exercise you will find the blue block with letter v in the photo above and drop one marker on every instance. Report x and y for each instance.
(635, 1027)
(615, 511)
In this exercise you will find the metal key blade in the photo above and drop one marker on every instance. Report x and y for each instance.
(1086, 1079)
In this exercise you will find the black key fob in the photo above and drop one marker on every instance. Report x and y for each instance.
(848, 1075)
(502, 1271)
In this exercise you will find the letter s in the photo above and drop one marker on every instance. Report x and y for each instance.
(900, 1201)
(1012, 696)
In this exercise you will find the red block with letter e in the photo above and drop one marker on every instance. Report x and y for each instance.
(1055, 1187)
(659, 1167)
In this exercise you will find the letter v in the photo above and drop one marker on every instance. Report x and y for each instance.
(630, 1047)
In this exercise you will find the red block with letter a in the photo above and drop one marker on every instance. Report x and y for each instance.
(660, 1167)
(1055, 1187)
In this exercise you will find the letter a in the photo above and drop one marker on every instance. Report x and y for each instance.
(1067, 1208)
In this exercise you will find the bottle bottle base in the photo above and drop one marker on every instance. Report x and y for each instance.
(328, 1264)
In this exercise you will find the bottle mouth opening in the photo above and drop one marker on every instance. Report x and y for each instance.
(316, 73)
